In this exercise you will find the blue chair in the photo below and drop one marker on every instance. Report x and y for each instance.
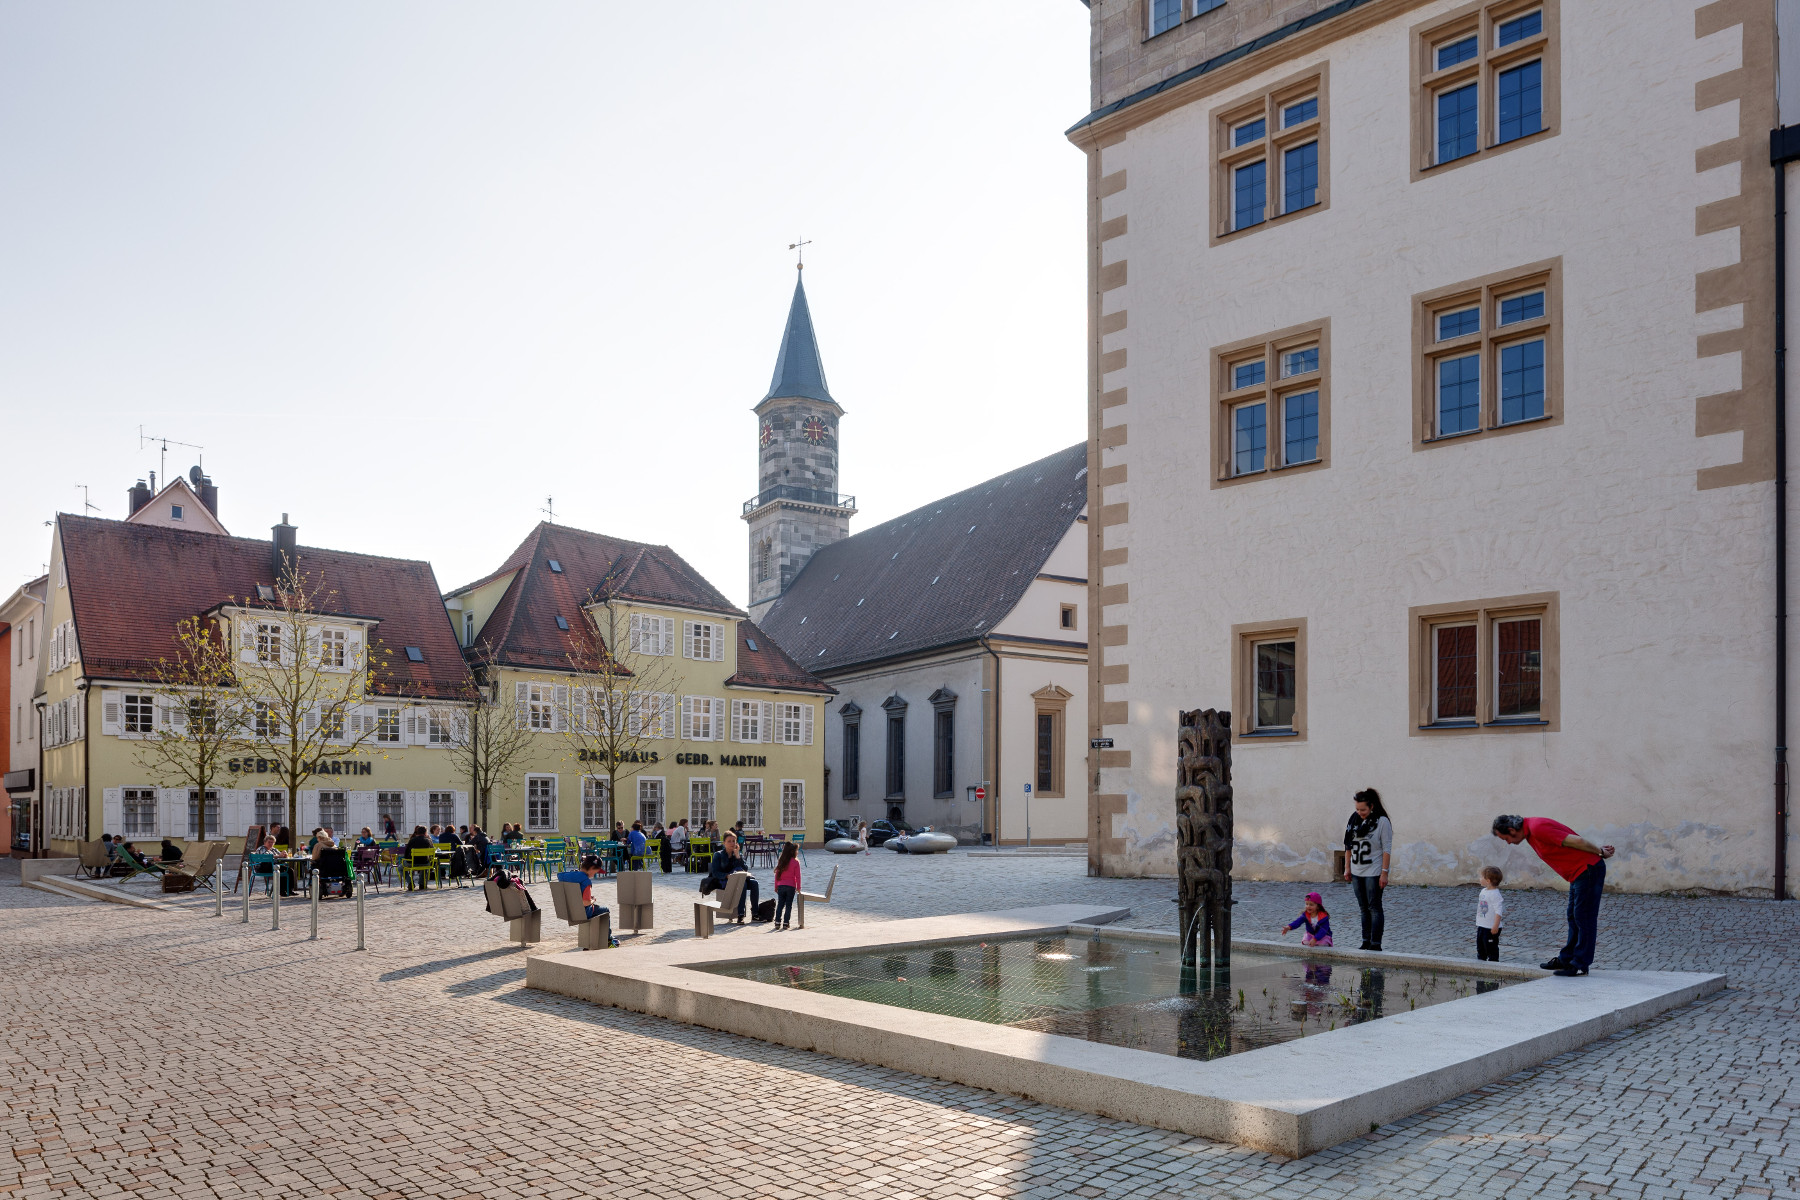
(262, 866)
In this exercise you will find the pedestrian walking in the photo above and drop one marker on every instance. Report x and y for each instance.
(1580, 862)
(1368, 848)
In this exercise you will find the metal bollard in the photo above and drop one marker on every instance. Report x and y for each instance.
(312, 887)
(249, 886)
(219, 889)
(362, 888)
(275, 898)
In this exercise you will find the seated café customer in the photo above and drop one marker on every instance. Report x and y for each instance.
(366, 837)
(322, 842)
(313, 841)
(448, 836)
(420, 840)
(510, 834)
(171, 853)
(725, 864)
(639, 843)
(584, 875)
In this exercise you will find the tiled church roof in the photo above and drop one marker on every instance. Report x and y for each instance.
(942, 574)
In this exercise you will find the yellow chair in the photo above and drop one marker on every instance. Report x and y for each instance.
(421, 863)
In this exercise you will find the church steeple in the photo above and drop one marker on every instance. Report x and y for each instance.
(798, 369)
(797, 508)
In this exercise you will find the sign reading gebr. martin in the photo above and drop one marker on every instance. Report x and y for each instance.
(264, 766)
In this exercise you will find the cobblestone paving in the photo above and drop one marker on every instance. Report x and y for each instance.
(168, 1054)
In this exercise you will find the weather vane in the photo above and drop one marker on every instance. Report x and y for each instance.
(799, 249)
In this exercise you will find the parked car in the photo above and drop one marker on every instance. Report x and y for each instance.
(924, 841)
(881, 831)
(840, 827)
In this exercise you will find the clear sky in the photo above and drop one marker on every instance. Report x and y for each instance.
(406, 269)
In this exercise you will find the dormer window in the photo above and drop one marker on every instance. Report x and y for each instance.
(556, 567)
(175, 512)
(334, 645)
(562, 623)
(415, 654)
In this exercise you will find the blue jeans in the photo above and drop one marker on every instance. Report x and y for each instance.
(1368, 898)
(594, 910)
(1584, 915)
(750, 893)
(784, 903)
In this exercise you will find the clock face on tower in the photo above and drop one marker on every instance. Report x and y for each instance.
(768, 434)
(814, 430)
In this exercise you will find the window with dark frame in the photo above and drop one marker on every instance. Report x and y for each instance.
(1275, 684)
(1046, 752)
(896, 755)
(852, 757)
(944, 754)
(1068, 616)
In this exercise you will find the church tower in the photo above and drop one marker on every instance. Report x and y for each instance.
(797, 508)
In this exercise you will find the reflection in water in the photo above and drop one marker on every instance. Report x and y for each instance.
(1121, 991)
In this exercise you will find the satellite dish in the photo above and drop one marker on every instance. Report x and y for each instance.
(194, 476)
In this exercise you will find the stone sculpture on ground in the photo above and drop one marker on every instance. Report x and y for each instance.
(1203, 830)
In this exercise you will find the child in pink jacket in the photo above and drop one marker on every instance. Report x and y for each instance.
(787, 882)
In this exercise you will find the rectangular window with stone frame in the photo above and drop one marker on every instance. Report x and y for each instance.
(1272, 404)
(943, 744)
(1268, 680)
(852, 785)
(1486, 78)
(596, 805)
(1270, 160)
(1487, 356)
(1486, 666)
(540, 804)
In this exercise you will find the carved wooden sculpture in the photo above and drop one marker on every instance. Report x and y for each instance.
(1203, 830)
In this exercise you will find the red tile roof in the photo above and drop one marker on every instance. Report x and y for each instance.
(522, 629)
(768, 665)
(131, 585)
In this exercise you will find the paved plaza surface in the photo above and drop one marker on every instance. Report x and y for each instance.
(170, 1054)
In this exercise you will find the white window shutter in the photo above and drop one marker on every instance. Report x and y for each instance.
(520, 699)
(637, 634)
(172, 812)
(719, 634)
(313, 640)
(578, 709)
(109, 712)
(687, 638)
(312, 720)
(112, 810)
(687, 716)
(768, 720)
(668, 644)
(806, 724)
(409, 731)
(562, 708)
(634, 715)
(460, 802)
(353, 649)
(246, 641)
(737, 720)
(178, 714)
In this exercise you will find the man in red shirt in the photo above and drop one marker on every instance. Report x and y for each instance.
(1580, 862)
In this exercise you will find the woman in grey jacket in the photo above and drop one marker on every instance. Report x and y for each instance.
(1368, 847)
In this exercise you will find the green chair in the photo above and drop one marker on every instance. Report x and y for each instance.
(135, 866)
(799, 840)
(419, 864)
(699, 854)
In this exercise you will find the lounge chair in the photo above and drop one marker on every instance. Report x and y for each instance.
(206, 870)
(135, 866)
(524, 923)
(817, 898)
(634, 904)
(724, 900)
(94, 861)
(591, 933)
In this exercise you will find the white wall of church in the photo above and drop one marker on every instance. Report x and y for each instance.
(1663, 588)
(1038, 614)
(1054, 818)
(914, 683)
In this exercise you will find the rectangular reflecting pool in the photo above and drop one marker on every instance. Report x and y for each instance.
(1121, 991)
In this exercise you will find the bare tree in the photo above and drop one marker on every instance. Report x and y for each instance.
(621, 710)
(198, 715)
(305, 679)
(490, 739)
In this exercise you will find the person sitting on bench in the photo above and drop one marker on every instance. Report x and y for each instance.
(590, 867)
(726, 862)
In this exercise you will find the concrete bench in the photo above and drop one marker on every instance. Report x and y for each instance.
(524, 923)
(724, 900)
(816, 897)
(635, 905)
(591, 933)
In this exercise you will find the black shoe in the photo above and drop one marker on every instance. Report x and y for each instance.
(1365, 946)
(1376, 946)
(1571, 972)
(1555, 964)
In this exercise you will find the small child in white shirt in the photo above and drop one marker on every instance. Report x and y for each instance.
(1488, 909)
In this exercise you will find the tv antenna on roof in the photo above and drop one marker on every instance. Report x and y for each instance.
(86, 504)
(549, 509)
(163, 463)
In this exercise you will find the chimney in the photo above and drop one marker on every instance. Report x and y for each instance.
(137, 497)
(285, 556)
(203, 488)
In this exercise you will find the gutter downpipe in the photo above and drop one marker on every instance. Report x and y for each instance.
(1784, 147)
(37, 809)
(994, 783)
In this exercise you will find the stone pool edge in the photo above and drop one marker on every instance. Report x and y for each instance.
(1292, 1099)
